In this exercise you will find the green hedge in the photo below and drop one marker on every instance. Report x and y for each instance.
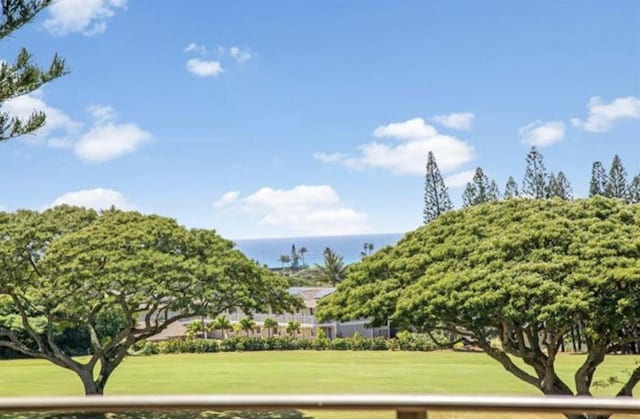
(404, 342)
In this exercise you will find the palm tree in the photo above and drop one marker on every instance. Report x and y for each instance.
(223, 324)
(302, 251)
(295, 258)
(333, 270)
(247, 324)
(195, 328)
(285, 259)
(368, 249)
(293, 328)
(271, 325)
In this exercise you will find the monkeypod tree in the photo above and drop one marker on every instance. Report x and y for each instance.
(69, 267)
(513, 277)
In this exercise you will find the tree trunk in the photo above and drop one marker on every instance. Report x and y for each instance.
(92, 389)
(579, 338)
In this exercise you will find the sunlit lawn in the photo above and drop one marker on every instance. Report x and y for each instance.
(327, 372)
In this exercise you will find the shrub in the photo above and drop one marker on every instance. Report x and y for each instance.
(403, 342)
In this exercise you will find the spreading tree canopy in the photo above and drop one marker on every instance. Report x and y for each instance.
(514, 277)
(66, 267)
(22, 76)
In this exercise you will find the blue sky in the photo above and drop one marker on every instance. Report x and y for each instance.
(294, 118)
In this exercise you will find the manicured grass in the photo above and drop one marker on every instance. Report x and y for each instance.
(441, 372)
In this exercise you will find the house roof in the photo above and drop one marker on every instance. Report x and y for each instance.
(310, 295)
(174, 330)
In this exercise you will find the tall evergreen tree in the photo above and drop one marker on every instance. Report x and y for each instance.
(617, 181)
(634, 190)
(480, 190)
(559, 187)
(598, 182)
(22, 76)
(494, 191)
(534, 184)
(511, 189)
(551, 186)
(436, 194)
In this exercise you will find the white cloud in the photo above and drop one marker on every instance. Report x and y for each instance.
(329, 157)
(409, 155)
(102, 113)
(98, 199)
(542, 134)
(86, 16)
(411, 130)
(462, 121)
(303, 209)
(203, 68)
(227, 199)
(460, 179)
(239, 54)
(197, 48)
(107, 141)
(104, 140)
(603, 115)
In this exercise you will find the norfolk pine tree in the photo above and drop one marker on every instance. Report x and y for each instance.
(634, 190)
(598, 182)
(534, 184)
(22, 76)
(559, 187)
(617, 181)
(480, 190)
(511, 189)
(436, 195)
(563, 187)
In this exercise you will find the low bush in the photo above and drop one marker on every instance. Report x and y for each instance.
(403, 342)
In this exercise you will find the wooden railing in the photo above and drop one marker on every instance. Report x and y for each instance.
(405, 406)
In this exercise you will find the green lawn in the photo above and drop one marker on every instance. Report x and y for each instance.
(295, 372)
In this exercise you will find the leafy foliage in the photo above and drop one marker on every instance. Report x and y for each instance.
(404, 342)
(522, 271)
(74, 268)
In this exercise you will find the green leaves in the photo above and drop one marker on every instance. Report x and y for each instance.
(120, 277)
(524, 270)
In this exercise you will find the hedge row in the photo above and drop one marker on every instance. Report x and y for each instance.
(320, 343)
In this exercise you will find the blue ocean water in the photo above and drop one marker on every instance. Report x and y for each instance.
(268, 251)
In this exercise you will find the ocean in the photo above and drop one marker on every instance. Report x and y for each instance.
(268, 251)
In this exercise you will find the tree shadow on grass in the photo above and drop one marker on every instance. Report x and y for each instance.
(288, 414)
